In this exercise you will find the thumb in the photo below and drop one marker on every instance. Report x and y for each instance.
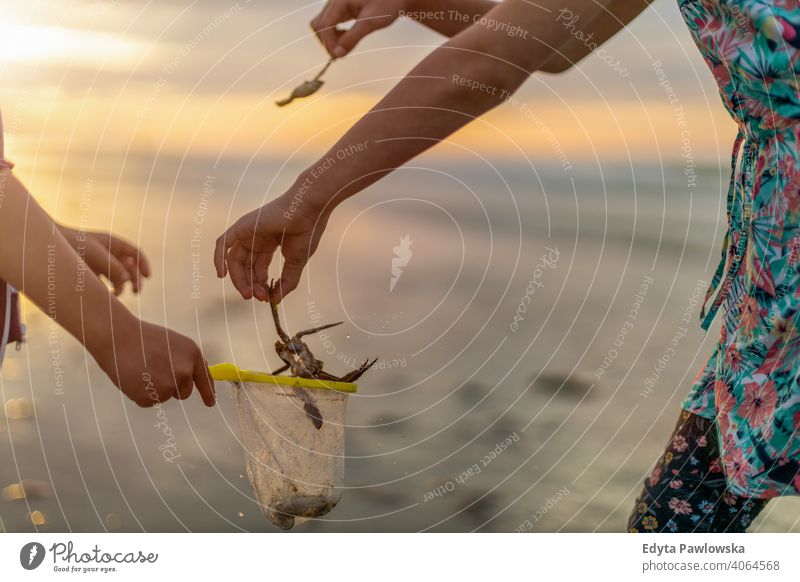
(290, 277)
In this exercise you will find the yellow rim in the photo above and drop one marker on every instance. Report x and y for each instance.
(232, 373)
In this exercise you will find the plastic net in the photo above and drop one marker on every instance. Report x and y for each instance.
(293, 438)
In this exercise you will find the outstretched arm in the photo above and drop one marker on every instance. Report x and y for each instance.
(586, 35)
(147, 362)
(450, 17)
(470, 74)
(35, 258)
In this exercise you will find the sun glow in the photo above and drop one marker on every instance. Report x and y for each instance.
(25, 44)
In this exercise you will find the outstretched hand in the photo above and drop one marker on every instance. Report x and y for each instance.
(110, 257)
(369, 16)
(151, 364)
(246, 249)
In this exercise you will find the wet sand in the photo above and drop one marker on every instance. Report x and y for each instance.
(533, 314)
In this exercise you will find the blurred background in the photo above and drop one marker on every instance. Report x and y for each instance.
(558, 250)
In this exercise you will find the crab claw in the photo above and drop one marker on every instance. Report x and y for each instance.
(356, 374)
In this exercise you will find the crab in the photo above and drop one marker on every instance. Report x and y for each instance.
(298, 358)
(306, 88)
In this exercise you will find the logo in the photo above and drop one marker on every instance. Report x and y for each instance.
(402, 255)
(31, 555)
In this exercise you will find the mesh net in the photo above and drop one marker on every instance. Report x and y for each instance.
(294, 448)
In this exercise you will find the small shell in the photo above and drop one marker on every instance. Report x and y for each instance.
(304, 90)
(307, 88)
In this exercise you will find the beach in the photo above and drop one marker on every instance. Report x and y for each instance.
(537, 328)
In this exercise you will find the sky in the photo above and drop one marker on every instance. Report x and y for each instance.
(199, 77)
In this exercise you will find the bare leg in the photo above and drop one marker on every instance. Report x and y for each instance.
(356, 374)
(316, 329)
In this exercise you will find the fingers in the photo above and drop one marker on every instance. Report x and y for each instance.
(239, 266)
(117, 274)
(134, 272)
(225, 241)
(324, 25)
(151, 396)
(203, 381)
(350, 38)
(132, 257)
(143, 263)
(245, 252)
(235, 256)
(200, 377)
(184, 389)
(260, 276)
(249, 272)
(290, 277)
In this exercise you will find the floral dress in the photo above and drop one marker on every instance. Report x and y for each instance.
(750, 383)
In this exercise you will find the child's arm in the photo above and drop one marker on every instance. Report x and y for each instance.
(447, 17)
(450, 17)
(147, 362)
(475, 71)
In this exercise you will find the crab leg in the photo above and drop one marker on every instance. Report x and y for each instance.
(316, 329)
(356, 374)
(279, 370)
(322, 375)
(278, 328)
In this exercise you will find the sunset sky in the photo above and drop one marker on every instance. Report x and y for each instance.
(199, 77)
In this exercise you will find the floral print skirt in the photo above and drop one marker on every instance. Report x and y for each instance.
(687, 490)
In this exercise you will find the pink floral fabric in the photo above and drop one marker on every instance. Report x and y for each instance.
(750, 383)
(687, 490)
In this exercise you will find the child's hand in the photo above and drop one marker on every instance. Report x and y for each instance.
(245, 250)
(150, 364)
(370, 15)
(110, 257)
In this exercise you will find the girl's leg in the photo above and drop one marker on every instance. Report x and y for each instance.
(687, 491)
